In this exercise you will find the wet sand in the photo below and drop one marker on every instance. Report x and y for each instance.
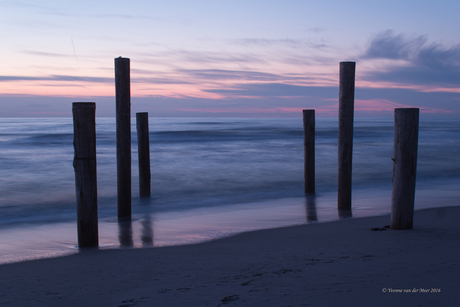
(340, 263)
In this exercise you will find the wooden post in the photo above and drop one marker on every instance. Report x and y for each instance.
(84, 163)
(123, 114)
(404, 168)
(142, 125)
(309, 150)
(345, 146)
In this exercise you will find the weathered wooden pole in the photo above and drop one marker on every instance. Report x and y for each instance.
(123, 115)
(404, 168)
(84, 163)
(142, 125)
(345, 146)
(309, 150)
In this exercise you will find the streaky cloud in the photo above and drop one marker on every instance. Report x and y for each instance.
(284, 42)
(388, 45)
(66, 78)
(368, 101)
(218, 57)
(276, 90)
(436, 57)
(159, 81)
(81, 78)
(444, 101)
(222, 74)
(46, 54)
(56, 78)
(426, 64)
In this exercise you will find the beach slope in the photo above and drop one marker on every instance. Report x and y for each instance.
(342, 263)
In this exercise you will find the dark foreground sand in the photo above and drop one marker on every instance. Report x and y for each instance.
(340, 263)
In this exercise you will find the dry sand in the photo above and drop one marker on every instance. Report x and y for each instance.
(340, 263)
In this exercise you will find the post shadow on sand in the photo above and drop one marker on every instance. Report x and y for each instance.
(310, 204)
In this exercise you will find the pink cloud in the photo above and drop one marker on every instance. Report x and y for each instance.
(325, 111)
(382, 105)
(376, 106)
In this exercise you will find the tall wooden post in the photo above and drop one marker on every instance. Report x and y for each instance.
(142, 125)
(309, 150)
(84, 163)
(404, 168)
(345, 146)
(123, 114)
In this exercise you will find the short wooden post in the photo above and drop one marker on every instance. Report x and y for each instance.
(309, 150)
(345, 146)
(404, 168)
(142, 125)
(123, 115)
(84, 163)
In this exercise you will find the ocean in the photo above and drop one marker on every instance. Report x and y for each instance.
(211, 177)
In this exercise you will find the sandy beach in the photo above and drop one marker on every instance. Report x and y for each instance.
(341, 263)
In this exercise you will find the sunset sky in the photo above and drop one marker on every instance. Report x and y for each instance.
(230, 58)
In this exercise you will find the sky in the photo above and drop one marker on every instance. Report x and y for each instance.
(230, 58)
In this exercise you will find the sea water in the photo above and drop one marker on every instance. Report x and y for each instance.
(211, 177)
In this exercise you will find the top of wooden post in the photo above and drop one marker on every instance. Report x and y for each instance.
(83, 105)
(121, 59)
(407, 109)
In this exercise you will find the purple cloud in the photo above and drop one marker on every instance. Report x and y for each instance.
(429, 64)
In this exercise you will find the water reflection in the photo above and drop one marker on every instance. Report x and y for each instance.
(147, 230)
(310, 202)
(125, 233)
(345, 214)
